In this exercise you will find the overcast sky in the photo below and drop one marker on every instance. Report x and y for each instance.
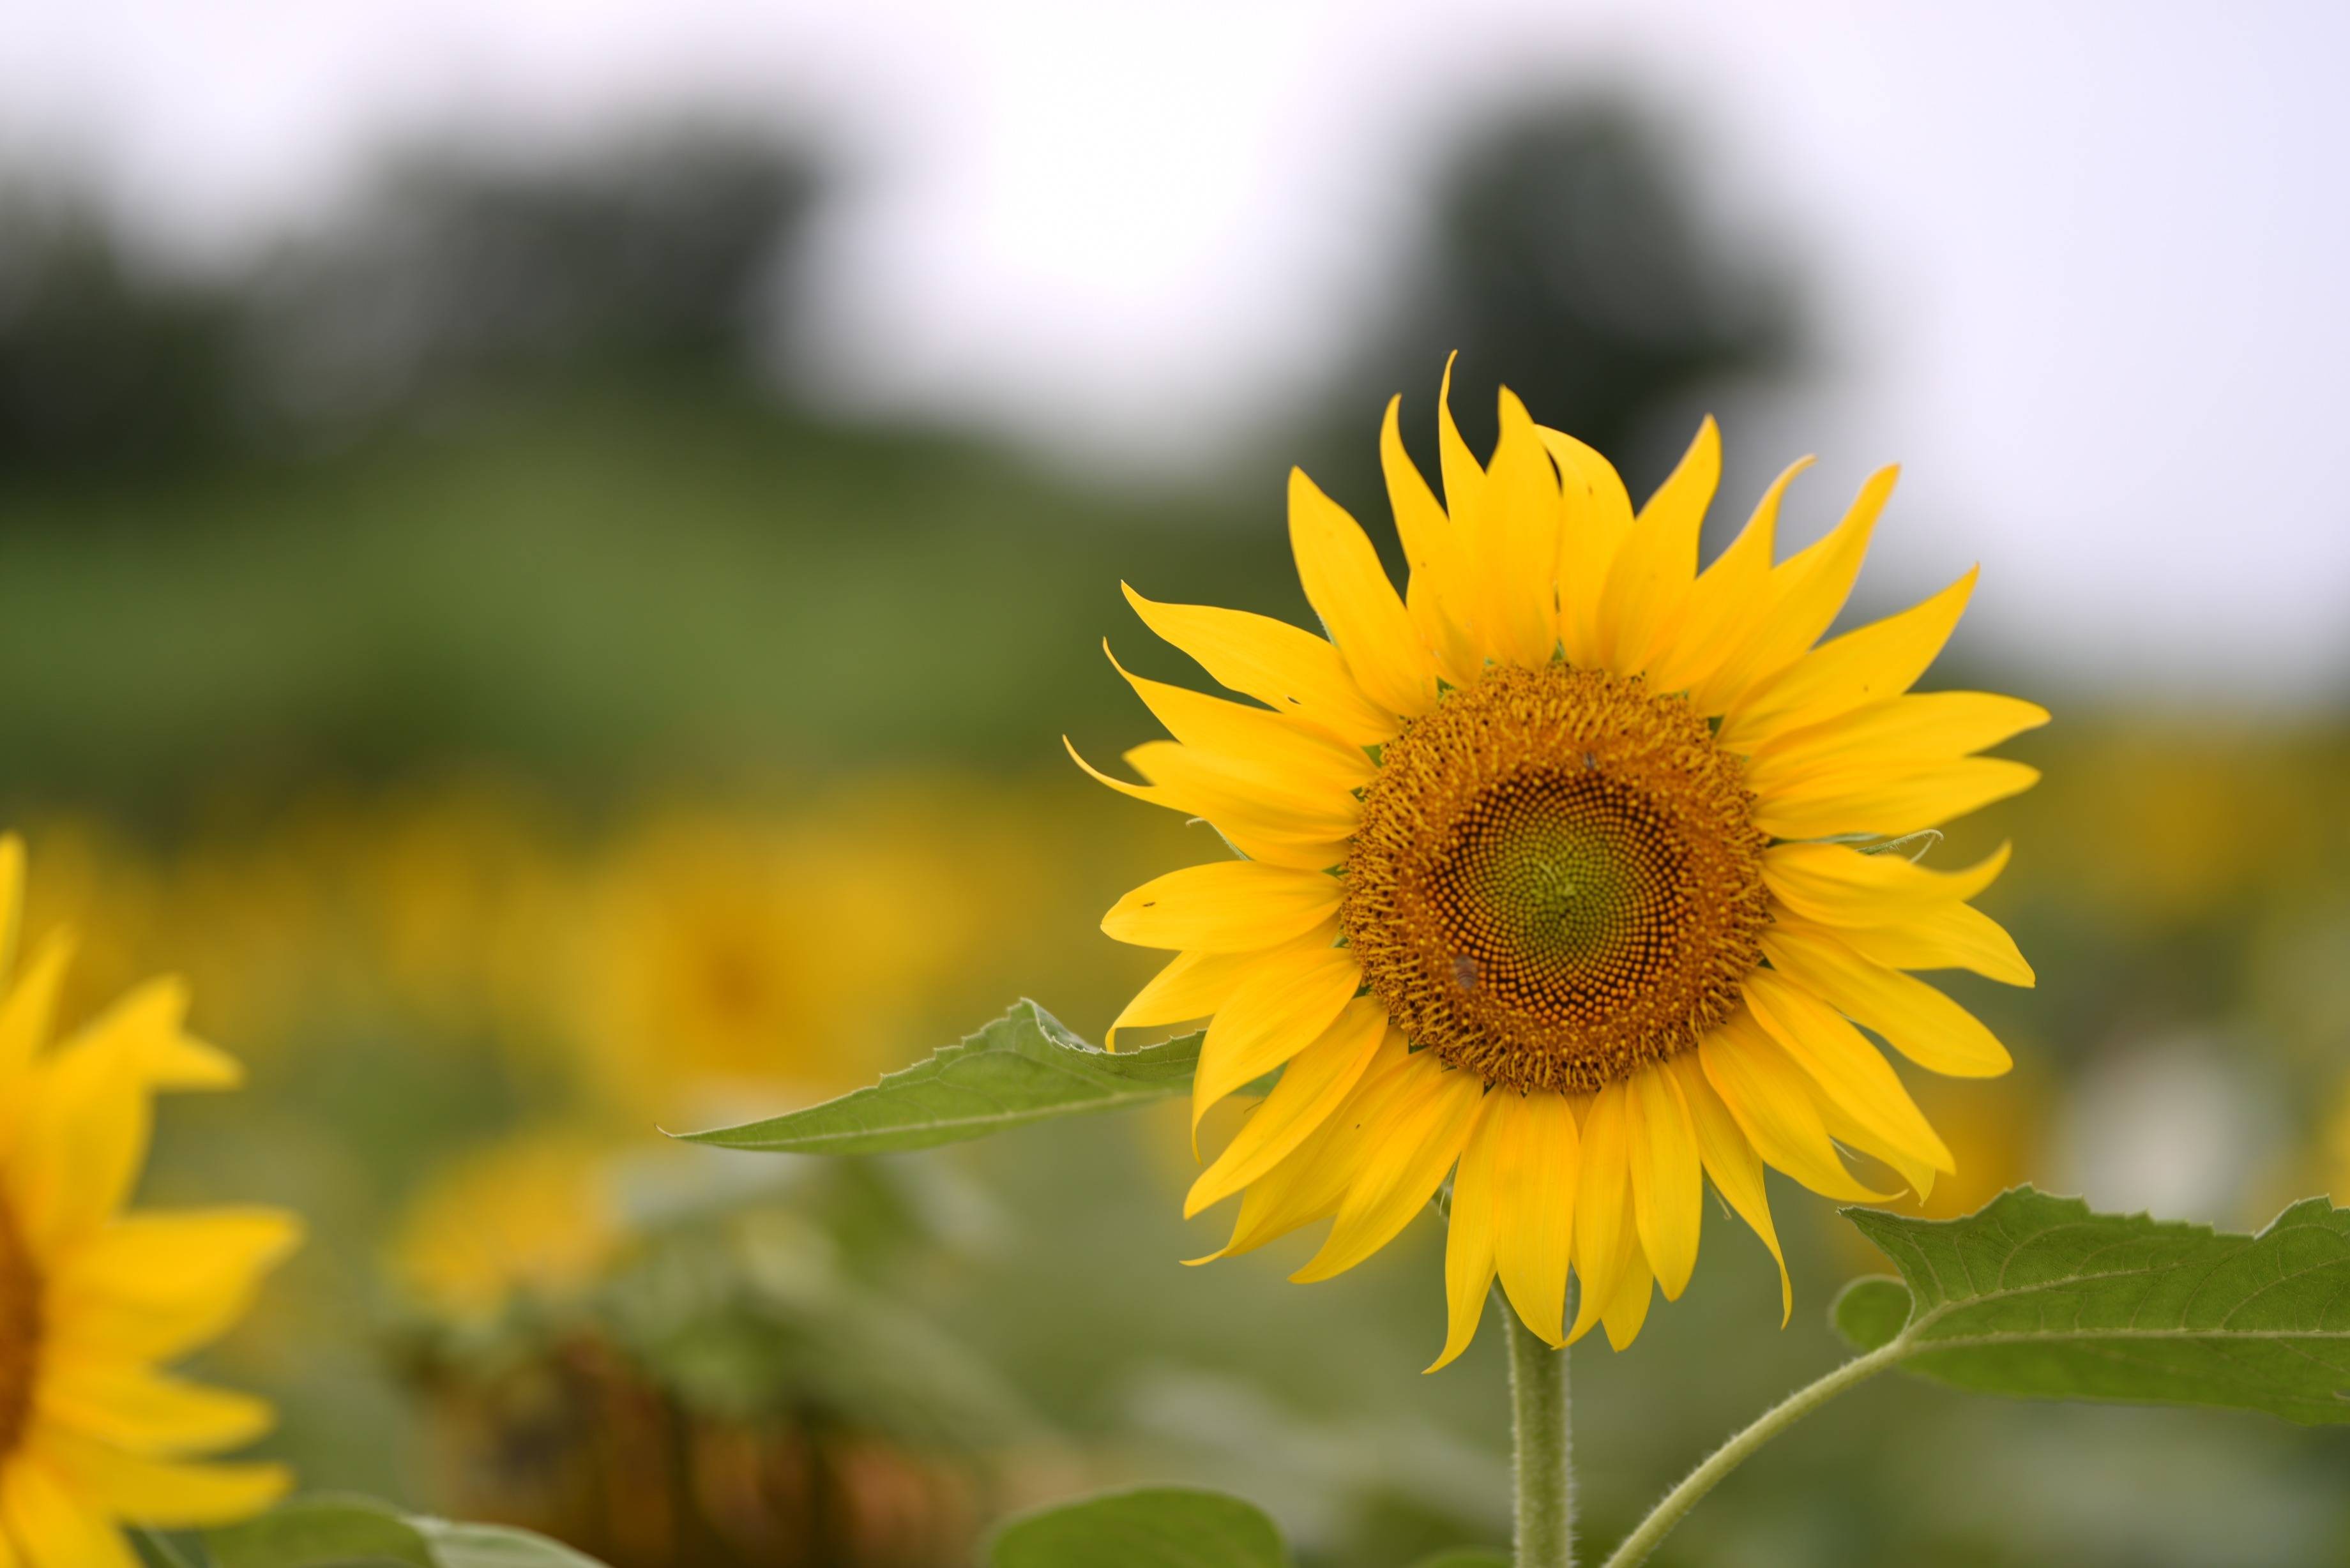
(2079, 267)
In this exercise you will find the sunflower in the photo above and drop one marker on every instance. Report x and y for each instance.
(1573, 874)
(533, 1218)
(93, 1434)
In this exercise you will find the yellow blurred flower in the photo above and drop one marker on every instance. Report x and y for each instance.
(2154, 825)
(93, 1298)
(2333, 1153)
(530, 1217)
(725, 958)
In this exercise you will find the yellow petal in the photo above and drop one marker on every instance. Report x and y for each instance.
(1871, 665)
(1595, 517)
(162, 1493)
(1310, 1183)
(50, 1526)
(156, 1285)
(1287, 1001)
(1262, 829)
(1259, 805)
(183, 1062)
(1912, 1165)
(30, 1008)
(1955, 936)
(1350, 590)
(25, 1017)
(1730, 1158)
(1668, 1176)
(1436, 596)
(1466, 502)
(12, 900)
(1312, 1087)
(146, 1027)
(1728, 600)
(1649, 586)
(142, 1411)
(1913, 1017)
(80, 1145)
(1194, 985)
(1628, 1308)
(1922, 727)
(1470, 1235)
(1775, 1105)
(1604, 1227)
(1852, 1076)
(1841, 885)
(1287, 668)
(1402, 1163)
(1867, 800)
(1224, 906)
(1522, 505)
(1254, 743)
(1537, 1158)
(1817, 583)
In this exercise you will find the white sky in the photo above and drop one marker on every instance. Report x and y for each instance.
(2080, 267)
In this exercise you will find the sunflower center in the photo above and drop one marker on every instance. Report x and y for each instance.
(1556, 878)
(20, 1332)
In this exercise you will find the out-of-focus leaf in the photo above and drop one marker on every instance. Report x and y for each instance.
(458, 1545)
(1154, 1527)
(314, 1531)
(1466, 1557)
(1021, 1069)
(359, 1533)
(2037, 1296)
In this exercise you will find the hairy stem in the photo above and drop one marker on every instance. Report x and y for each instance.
(1735, 1452)
(1544, 1448)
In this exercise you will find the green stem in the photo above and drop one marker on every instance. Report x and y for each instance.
(1545, 1448)
(1733, 1453)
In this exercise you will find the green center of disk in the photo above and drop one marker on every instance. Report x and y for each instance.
(1558, 888)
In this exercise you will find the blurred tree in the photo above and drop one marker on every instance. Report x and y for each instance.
(1564, 256)
(101, 367)
(666, 255)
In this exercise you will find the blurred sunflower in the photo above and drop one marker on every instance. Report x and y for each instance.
(1555, 875)
(724, 957)
(533, 1216)
(93, 1435)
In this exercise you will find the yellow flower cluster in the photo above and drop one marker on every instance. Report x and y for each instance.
(672, 966)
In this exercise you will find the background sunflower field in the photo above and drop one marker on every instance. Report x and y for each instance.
(455, 626)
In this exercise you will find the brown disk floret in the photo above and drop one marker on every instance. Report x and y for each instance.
(1556, 878)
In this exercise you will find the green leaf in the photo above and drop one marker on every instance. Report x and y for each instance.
(2037, 1296)
(1021, 1069)
(359, 1533)
(1870, 1310)
(456, 1545)
(313, 1532)
(1466, 1557)
(1155, 1527)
